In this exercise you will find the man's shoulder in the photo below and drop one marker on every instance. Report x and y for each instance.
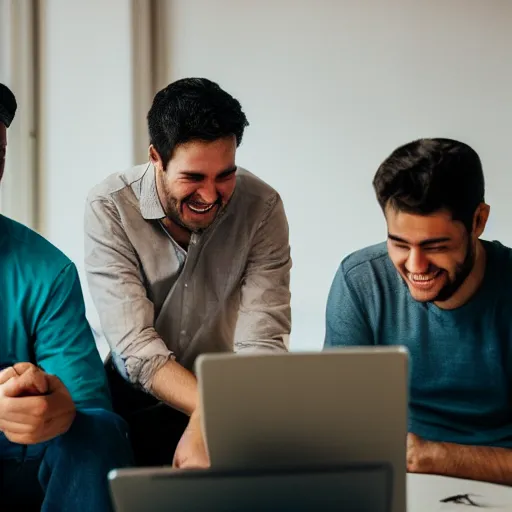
(254, 199)
(369, 268)
(254, 186)
(116, 183)
(34, 256)
(500, 258)
(499, 251)
(374, 255)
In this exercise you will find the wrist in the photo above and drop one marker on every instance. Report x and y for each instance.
(195, 415)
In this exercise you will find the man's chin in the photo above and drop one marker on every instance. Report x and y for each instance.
(196, 221)
(437, 295)
(422, 294)
(195, 226)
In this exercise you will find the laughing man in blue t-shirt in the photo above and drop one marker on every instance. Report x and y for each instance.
(445, 294)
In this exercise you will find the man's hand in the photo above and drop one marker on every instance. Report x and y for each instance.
(29, 380)
(422, 455)
(191, 451)
(34, 406)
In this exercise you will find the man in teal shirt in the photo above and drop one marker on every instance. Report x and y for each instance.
(58, 436)
(445, 294)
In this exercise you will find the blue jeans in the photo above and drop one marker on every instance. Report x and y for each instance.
(69, 472)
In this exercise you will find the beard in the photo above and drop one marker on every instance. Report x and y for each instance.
(173, 208)
(462, 271)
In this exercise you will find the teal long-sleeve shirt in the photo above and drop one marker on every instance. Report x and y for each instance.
(460, 360)
(42, 315)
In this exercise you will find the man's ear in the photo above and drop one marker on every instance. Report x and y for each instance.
(155, 158)
(480, 219)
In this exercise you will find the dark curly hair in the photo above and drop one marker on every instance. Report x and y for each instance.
(193, 109)
(429, 175)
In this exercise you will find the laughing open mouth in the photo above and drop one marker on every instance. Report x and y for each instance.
(200, 208)
(423, 279)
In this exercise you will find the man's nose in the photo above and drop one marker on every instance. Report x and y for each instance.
(417, 262)
(208, 193)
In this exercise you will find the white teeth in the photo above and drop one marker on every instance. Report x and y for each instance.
(422, 277)
(200, 210)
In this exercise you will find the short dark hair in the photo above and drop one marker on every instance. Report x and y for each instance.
(193, 109)
(8, 105)
(428, 175)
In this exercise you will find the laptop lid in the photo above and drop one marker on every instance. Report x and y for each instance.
(307, 409)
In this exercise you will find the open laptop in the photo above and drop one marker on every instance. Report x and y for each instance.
(307, 409)
(339, 418)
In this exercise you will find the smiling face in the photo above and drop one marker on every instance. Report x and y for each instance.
(433, 253)
(198, 181)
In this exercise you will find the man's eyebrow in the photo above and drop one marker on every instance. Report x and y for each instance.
(428, 241)
(192, 174)
(199, 174)
(227, 172)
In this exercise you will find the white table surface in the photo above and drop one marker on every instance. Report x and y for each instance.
(424, 493)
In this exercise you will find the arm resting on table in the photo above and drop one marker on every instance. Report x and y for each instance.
(483, 463)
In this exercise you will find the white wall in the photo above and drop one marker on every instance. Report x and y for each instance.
(5, 48)
(17, 191)
(5, 72)
(331, 88)
(87, 112)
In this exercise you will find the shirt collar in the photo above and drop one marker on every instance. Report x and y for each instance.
(150, 206)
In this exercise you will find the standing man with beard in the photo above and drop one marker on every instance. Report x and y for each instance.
(185, 255)
(445, 294)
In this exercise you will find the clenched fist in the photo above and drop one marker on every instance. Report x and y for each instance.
(34, 406)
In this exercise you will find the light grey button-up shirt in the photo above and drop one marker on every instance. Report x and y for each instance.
(228, 291)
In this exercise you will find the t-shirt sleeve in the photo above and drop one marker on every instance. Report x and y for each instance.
(346, 317)
(64, 344)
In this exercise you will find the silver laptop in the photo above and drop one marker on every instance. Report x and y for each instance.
(307, 410)
(319, 431)
(358, 488)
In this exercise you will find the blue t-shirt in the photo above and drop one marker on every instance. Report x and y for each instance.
(460, 360)
(42, 315)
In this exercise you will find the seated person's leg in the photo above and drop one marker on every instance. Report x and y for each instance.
(73, 472)
(19, 467)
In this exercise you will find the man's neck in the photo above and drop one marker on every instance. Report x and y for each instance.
(471, 284)
(179, 234)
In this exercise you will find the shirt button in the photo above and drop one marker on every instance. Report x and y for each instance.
(186, 285)
(183, 333)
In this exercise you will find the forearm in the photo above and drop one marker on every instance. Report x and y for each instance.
(176, 386)
(474, 462)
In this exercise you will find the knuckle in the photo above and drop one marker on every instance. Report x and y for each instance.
(34, 428)
(24, 367)
(41, 408)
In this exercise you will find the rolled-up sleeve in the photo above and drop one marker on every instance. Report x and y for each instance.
(116, 284)
(264, 320)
